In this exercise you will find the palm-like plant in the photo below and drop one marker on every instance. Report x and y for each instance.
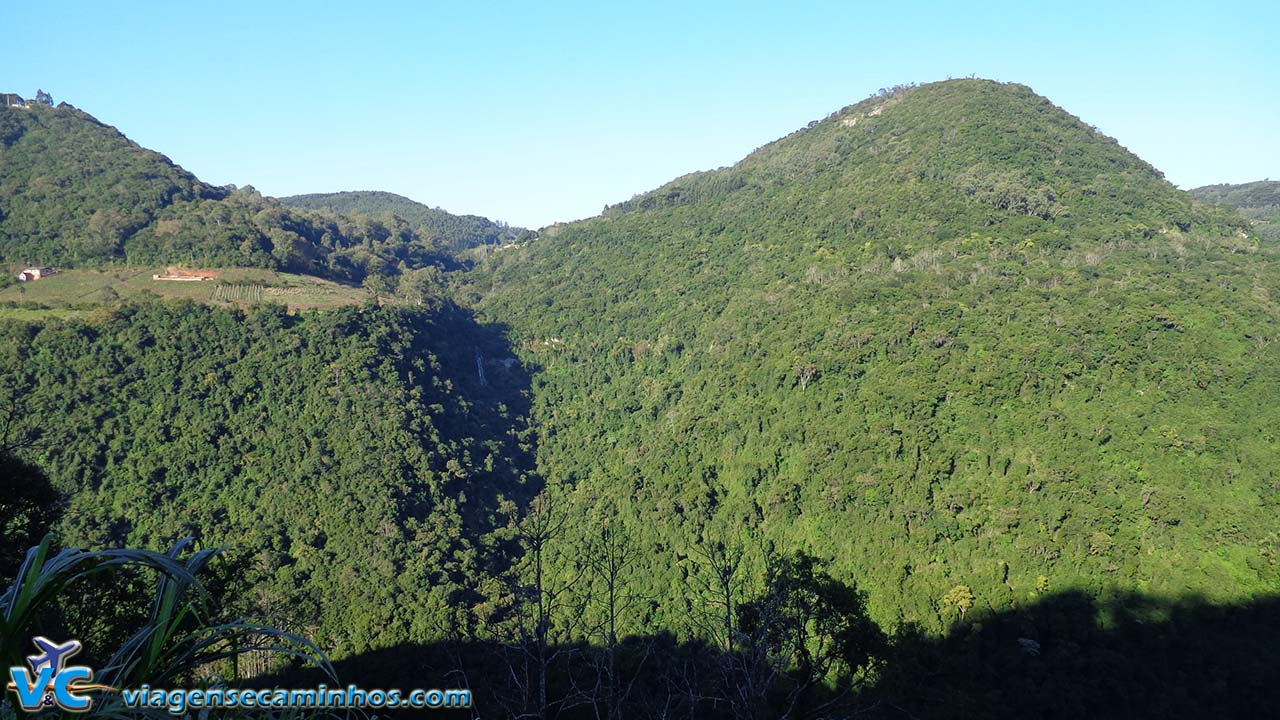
(180, 639)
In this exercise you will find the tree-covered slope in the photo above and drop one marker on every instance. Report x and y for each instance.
(937, 162)
(1259, 201)
(457, 232)
(71, 186)
(948, 337)
(76, 192)
(353, 460)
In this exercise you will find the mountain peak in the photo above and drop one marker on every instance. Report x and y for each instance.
(939, 159)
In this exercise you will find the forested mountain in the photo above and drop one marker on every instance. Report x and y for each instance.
(457, 232)
(1259, 201)
(950, 338)
(76, 192)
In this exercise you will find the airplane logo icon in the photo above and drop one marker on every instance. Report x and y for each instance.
(51, 681)
(52, 654)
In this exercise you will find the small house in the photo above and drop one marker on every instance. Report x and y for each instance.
(34, 273)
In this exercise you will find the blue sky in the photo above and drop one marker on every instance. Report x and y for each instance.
(541, 112)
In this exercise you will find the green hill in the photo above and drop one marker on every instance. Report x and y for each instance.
(948, 336)
(1259, 201)
(72, 187)
(457, 232)
(76, 192)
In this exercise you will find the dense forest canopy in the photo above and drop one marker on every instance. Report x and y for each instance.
(352, 456)
(949, 336)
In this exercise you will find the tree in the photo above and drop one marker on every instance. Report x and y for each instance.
(44, 98)
(609, 555)
(106, 230)
(290, 251)
(423, 286)
(959, 597)
(17, 429)
(719, 584)
(805, 374)
(538, 598)
(807, 629)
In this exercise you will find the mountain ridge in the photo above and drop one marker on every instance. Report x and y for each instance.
(1259, 201)
(77, 192)
(458, 232)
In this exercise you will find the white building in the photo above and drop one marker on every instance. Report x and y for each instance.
(35, 273)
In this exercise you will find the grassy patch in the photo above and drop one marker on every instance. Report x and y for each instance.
(76, 290)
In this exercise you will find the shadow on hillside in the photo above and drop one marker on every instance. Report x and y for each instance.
(482, 365)
(1064, 656)
(1072, 656)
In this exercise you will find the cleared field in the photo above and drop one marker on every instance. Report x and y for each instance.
(75, 291)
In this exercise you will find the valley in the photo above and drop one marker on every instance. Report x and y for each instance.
(946, 390)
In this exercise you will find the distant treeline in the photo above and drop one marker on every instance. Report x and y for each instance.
(1258, 201)
(456, 232)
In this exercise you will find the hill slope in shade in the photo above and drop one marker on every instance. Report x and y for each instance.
(76, 192)
(457, 232)
(948, 336)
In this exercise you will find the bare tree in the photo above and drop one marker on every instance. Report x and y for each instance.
(537, 602)
(719, 584)
(609, 555)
